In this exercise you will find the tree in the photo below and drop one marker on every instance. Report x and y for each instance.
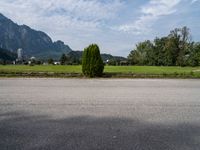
(112, 62)
(179, 42)
(174, 50)
(92, 63)
(139, 56)
(194, 56)
(50, 61)
(134, 58)
(159, 51)
(63, 59)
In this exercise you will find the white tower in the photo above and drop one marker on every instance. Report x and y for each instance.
(19, 54)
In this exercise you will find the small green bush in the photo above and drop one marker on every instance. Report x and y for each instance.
(92, 63)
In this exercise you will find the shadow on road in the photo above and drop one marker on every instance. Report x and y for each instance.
(25, 132)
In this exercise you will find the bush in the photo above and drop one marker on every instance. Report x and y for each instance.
(64, 59)
(92, 63)
(50, 61)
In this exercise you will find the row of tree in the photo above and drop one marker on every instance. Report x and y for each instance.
(66, 60)
(176, 49)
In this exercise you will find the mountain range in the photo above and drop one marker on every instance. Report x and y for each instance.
(34, 43)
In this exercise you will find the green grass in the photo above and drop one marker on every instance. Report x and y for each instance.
(40, 68)
(125, 70)
(151, 69)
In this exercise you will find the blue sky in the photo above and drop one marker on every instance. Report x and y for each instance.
(116, 25)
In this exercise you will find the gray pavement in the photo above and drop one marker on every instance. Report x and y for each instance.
(99, 114)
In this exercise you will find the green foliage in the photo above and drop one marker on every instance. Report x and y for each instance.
(75, 56)
(194, 56)
(64, 59)
(50, 61)
(113, 62)
(174, 50)
(92, 63)
(6, 56)
(141, 54)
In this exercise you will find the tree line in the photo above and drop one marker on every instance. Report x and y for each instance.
(176, 49)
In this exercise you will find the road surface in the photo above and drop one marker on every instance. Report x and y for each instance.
(99, 114)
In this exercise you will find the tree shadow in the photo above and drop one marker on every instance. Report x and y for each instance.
(28, 132)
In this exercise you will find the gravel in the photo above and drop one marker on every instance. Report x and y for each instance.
(99, 114)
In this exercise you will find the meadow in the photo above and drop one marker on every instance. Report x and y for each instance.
(110, 71)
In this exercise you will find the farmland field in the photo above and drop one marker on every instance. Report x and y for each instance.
(126, 70)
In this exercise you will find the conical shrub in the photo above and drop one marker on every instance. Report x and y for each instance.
(92, 63)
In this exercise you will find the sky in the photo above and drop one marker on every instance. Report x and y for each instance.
(115, 25)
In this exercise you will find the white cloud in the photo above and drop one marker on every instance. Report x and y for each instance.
(86, 11)
(81, 22)
(81, 14)
(73, 21)
(194, 1)
(150, 13)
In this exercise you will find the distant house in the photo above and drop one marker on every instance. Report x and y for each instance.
(106, 61)
(56, 63)
(32, 60)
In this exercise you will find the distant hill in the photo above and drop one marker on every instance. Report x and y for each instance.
(6, 55)
(34, 43)
(111, 57)
(77, 55)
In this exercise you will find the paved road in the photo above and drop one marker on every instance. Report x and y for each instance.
(116, 114)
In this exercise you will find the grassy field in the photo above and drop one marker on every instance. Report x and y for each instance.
(137, 71)
(40, 68)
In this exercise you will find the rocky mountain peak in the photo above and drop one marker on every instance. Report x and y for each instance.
(34, 43)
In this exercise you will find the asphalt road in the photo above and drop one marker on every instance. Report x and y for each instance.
(99, 114)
